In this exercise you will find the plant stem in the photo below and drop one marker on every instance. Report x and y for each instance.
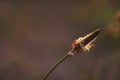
(57, 63)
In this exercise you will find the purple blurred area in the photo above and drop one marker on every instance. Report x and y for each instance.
(35, 34)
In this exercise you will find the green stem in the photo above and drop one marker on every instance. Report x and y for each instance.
(60, 61)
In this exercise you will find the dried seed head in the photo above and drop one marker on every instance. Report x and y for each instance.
(86, 42)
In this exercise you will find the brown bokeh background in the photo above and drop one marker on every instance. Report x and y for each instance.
(35, 34)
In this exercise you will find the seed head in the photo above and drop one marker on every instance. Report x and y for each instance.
(85, 43)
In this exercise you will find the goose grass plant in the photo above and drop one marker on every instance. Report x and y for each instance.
(82, 44)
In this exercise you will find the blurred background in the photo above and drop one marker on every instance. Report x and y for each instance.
(35, 34)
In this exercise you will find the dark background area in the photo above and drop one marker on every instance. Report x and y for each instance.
(35, 34)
